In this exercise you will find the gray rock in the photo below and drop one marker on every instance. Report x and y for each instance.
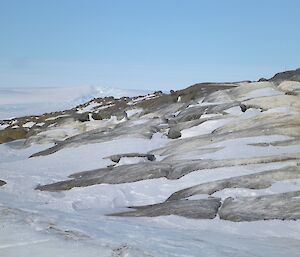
(291, 75)
(263, 125)
(149, 170)
(117, 157)
(262, 80)
(82, 117)
(105, 134)
(243, 107)
(196, 209)
(112, 175)
(174, 133)
(2, 183)
(254, 181)
(285, 206)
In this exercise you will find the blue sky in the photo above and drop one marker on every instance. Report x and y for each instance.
(154, 44)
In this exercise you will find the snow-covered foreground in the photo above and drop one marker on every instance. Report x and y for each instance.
(73, 223)
(224, 143)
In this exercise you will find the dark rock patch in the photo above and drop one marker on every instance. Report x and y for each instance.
(243, 107)
(195, 209)
(103, 135)
(292, 75)
(262, 80)
(111, 175)
(82, 117)
(174, 133)
(285, 206)
(149, 170)
(11, 134)
(259, 180)
(294, 93)
(117, 157)
(2, 183)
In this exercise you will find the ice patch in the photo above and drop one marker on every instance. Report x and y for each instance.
(206, 127)
(29, 124)
(133, 112)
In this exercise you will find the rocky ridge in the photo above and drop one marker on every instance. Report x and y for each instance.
(209, 126)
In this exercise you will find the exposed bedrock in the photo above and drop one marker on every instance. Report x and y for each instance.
(151, 170)
(285, 206)
(292, 75)
(267, 125)
(254, 181)
(11, 134)
(196, 209)
(2, 183)
(195, 112)
(105, 134)
(112, 175)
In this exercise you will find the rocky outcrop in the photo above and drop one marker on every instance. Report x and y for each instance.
(111, 175)
(150, 170)
(212, 126)
(11, 134)
(285, 206)
(292, 75)
(254, 181)
(195, 209)
(103, 135)
(2, 183)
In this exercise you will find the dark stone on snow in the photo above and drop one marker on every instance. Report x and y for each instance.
(243, 107)
(117, 157)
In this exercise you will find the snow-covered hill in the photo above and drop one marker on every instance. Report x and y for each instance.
(210, 170)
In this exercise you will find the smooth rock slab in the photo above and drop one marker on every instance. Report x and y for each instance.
(195, 209)
(127, 129)
(253, 181)
(285, 206)
(115, 175)
(149, 170)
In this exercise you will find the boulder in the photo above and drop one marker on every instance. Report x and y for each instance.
(82, 117)
(174, 133)
(117, 157)
(243, 107)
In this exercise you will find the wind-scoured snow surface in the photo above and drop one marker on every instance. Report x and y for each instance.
(237, 141)
(17, 102)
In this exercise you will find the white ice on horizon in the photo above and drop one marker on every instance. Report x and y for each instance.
(16, 102)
